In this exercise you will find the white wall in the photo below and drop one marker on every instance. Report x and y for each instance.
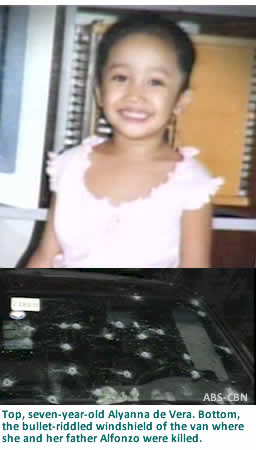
(22, 188)
(14, 238)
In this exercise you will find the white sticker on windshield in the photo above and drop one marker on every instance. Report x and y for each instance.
(25, 304)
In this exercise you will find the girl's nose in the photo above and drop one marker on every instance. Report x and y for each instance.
(135, 90)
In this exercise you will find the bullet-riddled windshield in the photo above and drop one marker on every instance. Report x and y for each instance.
(104, 347)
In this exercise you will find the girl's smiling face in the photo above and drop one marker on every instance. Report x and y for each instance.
(141, 86)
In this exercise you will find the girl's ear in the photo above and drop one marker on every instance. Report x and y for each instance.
(184, 100)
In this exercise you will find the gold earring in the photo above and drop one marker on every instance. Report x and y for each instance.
(172, 131)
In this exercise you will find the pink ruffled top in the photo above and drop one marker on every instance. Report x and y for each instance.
(144, 233)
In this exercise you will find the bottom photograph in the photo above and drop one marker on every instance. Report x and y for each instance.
(135, 336)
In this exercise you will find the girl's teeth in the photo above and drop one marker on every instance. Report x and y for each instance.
(134, 115)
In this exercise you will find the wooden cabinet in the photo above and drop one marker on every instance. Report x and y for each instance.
(221, 119)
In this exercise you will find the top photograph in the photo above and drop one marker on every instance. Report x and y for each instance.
(127, 137)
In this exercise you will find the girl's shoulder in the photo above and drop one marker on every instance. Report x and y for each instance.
(68, 160)
(198, 183)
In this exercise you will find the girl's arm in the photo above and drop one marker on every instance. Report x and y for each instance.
(48, 246)
(196, 239)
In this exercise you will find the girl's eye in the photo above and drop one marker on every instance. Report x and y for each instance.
(156, 82)
(119, 78)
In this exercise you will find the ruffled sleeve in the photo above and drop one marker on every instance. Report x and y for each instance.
(54, 168)
(69, 163)
(201, 186)
(204, 193)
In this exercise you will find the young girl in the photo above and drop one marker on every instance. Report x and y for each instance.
(133, 200)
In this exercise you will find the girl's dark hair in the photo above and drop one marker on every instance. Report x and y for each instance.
(153, 24)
